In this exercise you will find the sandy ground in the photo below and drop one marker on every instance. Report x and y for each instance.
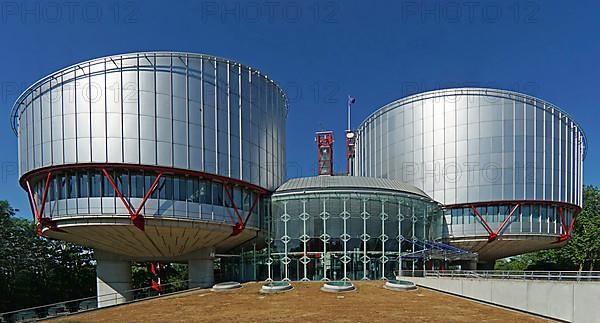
(306, 303)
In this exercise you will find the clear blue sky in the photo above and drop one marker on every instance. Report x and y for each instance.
(322, 51)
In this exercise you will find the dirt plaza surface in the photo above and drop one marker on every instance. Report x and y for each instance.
(370, 302)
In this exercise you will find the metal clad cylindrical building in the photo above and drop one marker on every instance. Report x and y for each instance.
(481, 152)
(178, 110)
(180, 136)
(157, 156)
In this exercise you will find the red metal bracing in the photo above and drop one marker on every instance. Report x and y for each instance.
(484, 223)
(240, 225)
(136, 218)
(566, 231)
(324, 141)
(494, 234)
(164, 170)
(39, 213)
(506, 220)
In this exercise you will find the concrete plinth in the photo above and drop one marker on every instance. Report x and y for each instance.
(113, 278)
(201, 268)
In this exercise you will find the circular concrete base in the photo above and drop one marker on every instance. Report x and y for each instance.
(226, 286)
(338, 287)
(399, 285)
(276, 287)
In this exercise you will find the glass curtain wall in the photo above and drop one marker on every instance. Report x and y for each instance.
(348, 235)
(181, 196)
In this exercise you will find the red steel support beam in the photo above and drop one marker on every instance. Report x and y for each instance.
(146, 168)
(241, 224)
(566, 231)
(499, 230)
(39, 213)
(485, 225)
(136, 218)
(567, 228)
(256, 198)
(237, 212)
(493, 235)
(572, 223)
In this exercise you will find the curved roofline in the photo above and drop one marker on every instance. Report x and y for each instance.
(357, 190)
(337, 184)
(493, 92)
(15, 108)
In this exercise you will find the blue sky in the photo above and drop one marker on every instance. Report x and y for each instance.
(321, 51)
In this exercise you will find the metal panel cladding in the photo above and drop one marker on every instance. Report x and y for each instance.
(469, 145)
(179, 110)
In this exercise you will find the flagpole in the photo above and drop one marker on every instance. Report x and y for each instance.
(349, 113)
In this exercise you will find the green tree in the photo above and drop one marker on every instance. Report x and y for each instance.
(584, 246)
(35, 270)
(170, 273)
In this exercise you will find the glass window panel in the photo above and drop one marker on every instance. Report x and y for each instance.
(123, 183)
(226, 198)
(52, 189)
(62, 186)
(205, 192)
(247, 202)
(137, 185)
(193, 190)
(107, 189)
(237, 197)
(72, 186)
(183, 194)
(217, 193)
(83, 187)
(166, 188)
(148, 180)
(95, 184)
(176, 187)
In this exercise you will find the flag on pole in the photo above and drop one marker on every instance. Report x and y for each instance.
(351, 100)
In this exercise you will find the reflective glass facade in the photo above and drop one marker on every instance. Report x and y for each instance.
(89, 193)
(527, 219)
(348, 232)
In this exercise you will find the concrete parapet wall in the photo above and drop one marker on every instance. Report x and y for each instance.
(560, 300)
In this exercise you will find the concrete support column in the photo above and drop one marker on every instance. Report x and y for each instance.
(201, 268)
(113, 278)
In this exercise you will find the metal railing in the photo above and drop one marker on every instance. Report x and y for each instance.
(521, 275)
(79, 305)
